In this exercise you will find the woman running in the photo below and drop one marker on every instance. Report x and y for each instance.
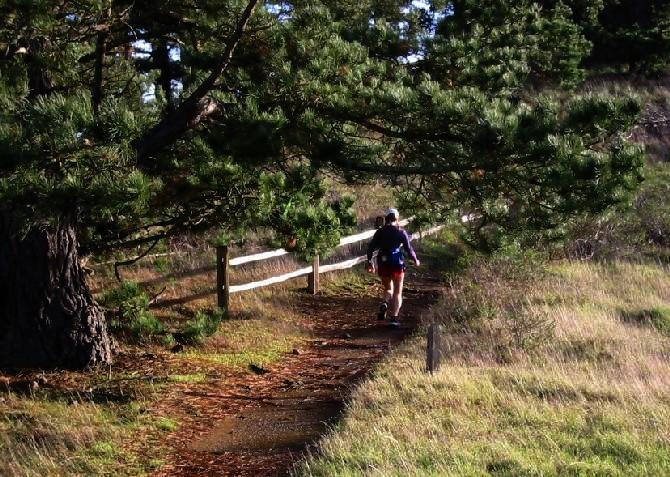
(390, 240)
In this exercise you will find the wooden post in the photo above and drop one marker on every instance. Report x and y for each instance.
(222, 281)
(433, 348)
(313, 278)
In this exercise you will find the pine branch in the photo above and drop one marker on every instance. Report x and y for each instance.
(198, 105)
(117, 265)
(100, 49)
(162, 61)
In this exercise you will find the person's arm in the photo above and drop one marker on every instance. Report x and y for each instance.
(373, 245)
(408, 246)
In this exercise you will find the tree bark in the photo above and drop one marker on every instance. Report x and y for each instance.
(48, 318)
(100, 51)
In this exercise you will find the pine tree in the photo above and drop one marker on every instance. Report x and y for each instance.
(632, 36)
(483, 123)
(125, 123)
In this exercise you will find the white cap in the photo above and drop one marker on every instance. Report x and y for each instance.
(394, 212)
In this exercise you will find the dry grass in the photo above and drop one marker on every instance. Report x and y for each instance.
(40, 436)
(593, 400)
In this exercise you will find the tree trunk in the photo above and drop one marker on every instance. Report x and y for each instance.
(48, 317)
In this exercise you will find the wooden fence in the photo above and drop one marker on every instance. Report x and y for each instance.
(224, 263)
(433, 348)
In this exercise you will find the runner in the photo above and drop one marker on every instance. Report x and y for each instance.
(390, 241)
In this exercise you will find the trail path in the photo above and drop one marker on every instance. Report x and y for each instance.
(259, 425)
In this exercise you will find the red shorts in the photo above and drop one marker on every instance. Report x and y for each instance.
(387, 271)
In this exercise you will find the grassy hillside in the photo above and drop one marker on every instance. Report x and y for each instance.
(564, 371)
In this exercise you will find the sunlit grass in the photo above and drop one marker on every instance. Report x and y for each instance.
(592, 401)
(187, 378)
(44, 437)
(350, 283)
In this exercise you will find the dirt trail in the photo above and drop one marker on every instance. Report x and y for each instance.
(259, 425)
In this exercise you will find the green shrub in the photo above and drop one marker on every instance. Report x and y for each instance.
(130, 308)
(124, 293)
(146, 326)
(201, 326)
(168, 340)
(489, 299)
(640, 226)
(162, 264)
(658, 317)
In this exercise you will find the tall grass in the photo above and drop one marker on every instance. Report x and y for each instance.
(590, 397)
(55, 437)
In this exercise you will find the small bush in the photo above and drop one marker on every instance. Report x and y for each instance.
(162, 264)
(166, 424)
(125, 295)
(638, 226)
(146, 326)
(130, 308)
(201, 326)
(168, 340)
(658, 318)
(489, 299)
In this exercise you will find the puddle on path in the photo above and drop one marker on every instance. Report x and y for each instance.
(284, 427)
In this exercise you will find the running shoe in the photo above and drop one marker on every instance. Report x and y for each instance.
(382, 311)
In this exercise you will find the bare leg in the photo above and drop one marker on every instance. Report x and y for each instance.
(397, 294)
(387, 284)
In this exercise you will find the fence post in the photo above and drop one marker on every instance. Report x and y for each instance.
(222, 281)
(313, 278)
(433, 348)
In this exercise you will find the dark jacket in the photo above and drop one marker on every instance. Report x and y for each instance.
(390, 240)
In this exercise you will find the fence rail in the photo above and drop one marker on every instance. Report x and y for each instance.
(257, 257)
(224, 263)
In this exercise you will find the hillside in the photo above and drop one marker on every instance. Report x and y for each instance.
(562, 374)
